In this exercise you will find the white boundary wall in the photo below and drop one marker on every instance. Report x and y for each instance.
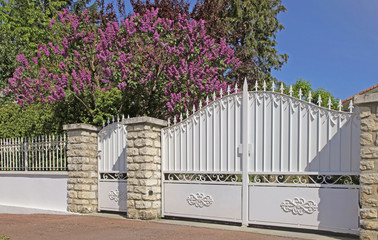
(41, 190)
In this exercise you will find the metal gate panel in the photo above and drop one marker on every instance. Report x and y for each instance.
(203, 201)
(112, 196)
(331, 209)
(112, 168)
(274, 144)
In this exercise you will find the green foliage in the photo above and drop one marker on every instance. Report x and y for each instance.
(306, 88)
(3, 237)
(24, 24)
(250, 27)
(36, 119)
(253, 26)
(109, 104)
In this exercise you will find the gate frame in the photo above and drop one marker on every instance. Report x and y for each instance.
(244, 160)
(112, 167)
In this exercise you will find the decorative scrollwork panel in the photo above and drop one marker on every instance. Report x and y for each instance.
(113, 176)
(195, 177)
(306, 179)
(299, 206)
(200, 200)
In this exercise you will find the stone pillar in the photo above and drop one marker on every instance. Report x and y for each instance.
(143, 167)
(82, 167)
(368, 106)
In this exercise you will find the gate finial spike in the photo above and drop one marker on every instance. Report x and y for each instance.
(180, 117)
(282, 88)
(123, 117)
(291, 91)
(256, 86)
(320, 100)
(174, 120)
(108, 121)
(200, 105)
(187, 113)
(169, 122)
(264, 86)
(207, 100)
(309, 97)
(221, 93)
(273, 86)
(236, 88)
(300, 95)
(351, 106)
(245, 85)
(340, 105)
(128, 116)
(117, 117)
(214, 96)
(228, 89)
(113, 119)
(329, 104)
(103, 123)
(194, 108)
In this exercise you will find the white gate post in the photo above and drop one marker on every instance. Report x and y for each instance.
(244, 131)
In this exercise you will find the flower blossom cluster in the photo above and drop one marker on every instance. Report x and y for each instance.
(158, 62)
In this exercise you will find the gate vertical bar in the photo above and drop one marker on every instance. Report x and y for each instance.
(244, 132)
(26, 154)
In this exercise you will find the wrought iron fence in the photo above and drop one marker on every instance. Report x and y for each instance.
(42, 153)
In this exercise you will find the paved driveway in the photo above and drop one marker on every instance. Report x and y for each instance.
(80, 227)
(72, 227)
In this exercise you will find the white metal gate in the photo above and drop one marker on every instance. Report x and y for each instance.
(112, 169)
(264, 158)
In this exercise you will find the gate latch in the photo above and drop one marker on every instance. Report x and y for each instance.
(249, 149)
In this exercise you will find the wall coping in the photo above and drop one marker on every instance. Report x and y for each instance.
(36, 173)
(143, 120)
(366, 98)
(81, 126)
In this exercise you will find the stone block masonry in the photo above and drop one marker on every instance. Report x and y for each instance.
(82, 167)
(368, 106)
(143, 167)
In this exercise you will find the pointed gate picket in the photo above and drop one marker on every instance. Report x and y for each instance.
(263, 157)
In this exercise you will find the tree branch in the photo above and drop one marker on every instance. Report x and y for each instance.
(85, 105)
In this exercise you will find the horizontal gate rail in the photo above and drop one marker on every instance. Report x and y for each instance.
(42, 153)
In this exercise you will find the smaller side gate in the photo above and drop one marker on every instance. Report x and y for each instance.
(112, 168)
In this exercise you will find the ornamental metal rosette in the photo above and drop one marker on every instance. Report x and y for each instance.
(199, 200)
(299, 206)
(116, 196)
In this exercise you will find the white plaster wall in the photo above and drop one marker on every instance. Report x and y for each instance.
(43, 190)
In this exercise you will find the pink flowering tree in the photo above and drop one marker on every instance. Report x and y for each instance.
(158, 67)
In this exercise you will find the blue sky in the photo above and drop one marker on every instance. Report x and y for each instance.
(331, 43)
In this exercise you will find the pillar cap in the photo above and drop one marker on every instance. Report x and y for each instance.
(81, 126)
(366, 98)
(150, 120)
